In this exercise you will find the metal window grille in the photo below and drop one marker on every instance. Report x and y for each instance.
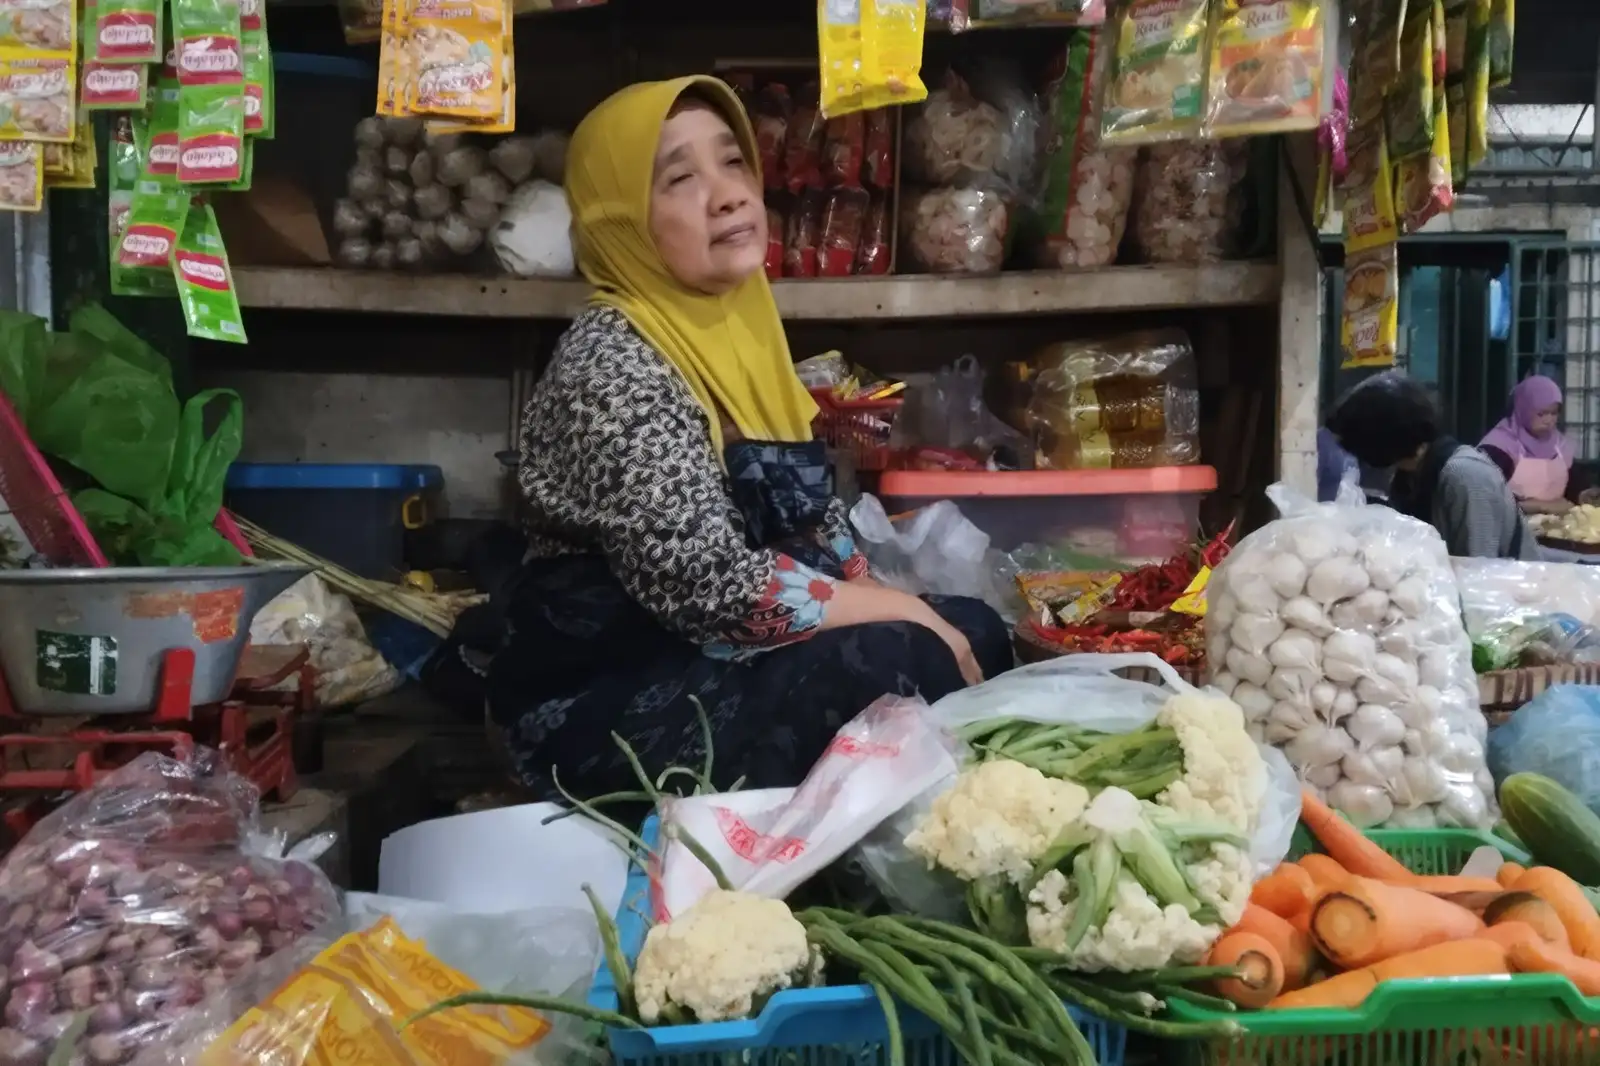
(1555, 327)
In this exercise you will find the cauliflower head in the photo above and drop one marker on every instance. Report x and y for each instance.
(998, 819)
(1224, 777)
(721, 955)
(1138, 934)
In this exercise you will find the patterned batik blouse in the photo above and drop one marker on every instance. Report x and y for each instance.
(616, 459)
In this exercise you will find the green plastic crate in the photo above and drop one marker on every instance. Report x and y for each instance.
(1522, 1020)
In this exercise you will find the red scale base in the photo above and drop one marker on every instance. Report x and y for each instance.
(253, 729)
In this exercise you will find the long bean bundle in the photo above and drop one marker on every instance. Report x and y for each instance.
(1144, 762)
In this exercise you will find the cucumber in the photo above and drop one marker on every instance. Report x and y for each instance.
(1556, 827)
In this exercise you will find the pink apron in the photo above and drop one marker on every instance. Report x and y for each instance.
(1539, 479)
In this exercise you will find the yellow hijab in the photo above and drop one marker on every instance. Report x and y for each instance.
(729, 348)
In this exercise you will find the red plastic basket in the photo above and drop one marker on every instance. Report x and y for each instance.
(860, 425)
(35, 498)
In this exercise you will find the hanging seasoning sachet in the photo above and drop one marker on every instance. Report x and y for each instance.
(1158, 75)
(210, 59)
(1267, 68)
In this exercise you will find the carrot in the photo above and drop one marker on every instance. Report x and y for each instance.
(1442, 885)
(1368, 921)
(1510, 934)
(1293, 946)
(1286, 891)
(1260, 977)
(1458, 958)
(1325, 872)
(1536, 956)
(1525, 908)
(1508, 874)
(1344, 842)
(1574, 908)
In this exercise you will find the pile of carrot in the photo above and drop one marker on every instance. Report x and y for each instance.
(1326, 930)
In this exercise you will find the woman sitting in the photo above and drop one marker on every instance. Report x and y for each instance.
(685, 544)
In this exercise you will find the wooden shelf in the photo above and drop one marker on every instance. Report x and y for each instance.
(1131, 288)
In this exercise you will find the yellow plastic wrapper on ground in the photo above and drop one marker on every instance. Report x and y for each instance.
(349, 1003)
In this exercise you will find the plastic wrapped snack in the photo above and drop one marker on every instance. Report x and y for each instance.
(954, 231)
(844, 218)
(1187, 208)
(803, 231)
(348, 669)
(873, 256)
(771, 115)
(1083, 209)
(1126, 401)
(1338, 630)
(802, 147)
(136, 900)
(960, 138)
(776, 226)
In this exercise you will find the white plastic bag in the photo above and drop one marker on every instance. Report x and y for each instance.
(1347, 618)
(534, 235)
(771, 841)
(1086, 691)
(937, 550)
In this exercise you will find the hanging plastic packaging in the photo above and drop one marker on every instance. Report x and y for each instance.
(210, 62)
(1267, 67)
(1157, 84)
(205, 284)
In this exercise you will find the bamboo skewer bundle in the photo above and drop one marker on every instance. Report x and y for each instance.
(435, 612)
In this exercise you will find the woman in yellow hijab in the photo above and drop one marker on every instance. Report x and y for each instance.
(685, 547)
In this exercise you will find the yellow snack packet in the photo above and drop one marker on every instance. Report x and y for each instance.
(1371, 307)
(1158, 72)
(1369, 213)
(1267, 68)
(839, 54)
(347, 1005)
(36, 98)
(1193, 600)
(21, 176)
(457, 52)
(891, 52)
(507, 122)
(73, 164)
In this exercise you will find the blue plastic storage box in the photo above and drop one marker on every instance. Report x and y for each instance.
(353, 514)
(840, 1025)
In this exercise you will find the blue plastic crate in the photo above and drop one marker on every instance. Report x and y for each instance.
(836, 1026)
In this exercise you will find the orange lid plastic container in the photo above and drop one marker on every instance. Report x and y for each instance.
(955, 484)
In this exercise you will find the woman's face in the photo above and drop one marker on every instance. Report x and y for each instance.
(1544, 420)
(706, 214)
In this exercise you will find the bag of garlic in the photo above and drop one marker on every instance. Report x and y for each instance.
(1337, 629)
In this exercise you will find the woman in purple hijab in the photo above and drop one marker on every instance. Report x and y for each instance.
(1531, 450)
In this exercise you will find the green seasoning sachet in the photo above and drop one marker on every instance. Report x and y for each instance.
(127, 31)
(1408, 105)
(210, 55)
(205, 284)
(258, 102)
(141, 264)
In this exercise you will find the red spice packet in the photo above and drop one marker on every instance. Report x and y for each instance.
(775, 235)
(873, 256)
(771, 120)
(878, 155)
(802, 150)
(800, 242)
(843, 221)
(843, 148)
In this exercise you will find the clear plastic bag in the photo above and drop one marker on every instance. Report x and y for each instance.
(1087, 187)
(348, 669)
(1556, 734)
(955, 231)
(1495, 590)
(1087, 691)
(1118, 402)
(936, 550)
(347, 987)
(949, 414)
(1188, 207)
(981, 134)
(1337, 628)
(138, 899)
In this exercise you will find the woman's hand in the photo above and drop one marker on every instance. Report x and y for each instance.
(957, 641)
(1589, 497)
(1545, 506)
